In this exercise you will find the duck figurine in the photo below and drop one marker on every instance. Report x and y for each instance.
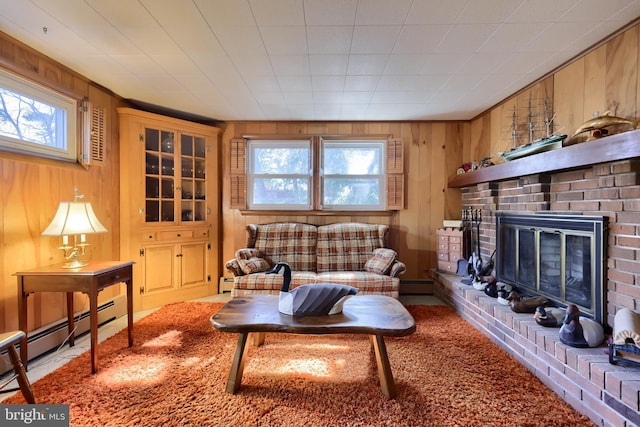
(525, 305)
(549, 317)
(317, 299)
(581, 333)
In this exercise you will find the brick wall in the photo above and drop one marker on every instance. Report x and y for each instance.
(608, 394)
(610, 189)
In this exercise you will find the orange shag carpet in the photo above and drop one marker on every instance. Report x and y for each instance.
(446, 374)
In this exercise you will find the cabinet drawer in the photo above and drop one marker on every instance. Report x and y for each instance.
(443, 256)
(454, 256)
(174, 235)
(455, 239)
(455, 247)
(443, 247)
(443, 239)
(447, 267)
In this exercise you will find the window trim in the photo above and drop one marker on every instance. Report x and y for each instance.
(393, 175)
(378, 143)
(41, 93)
(279, 143)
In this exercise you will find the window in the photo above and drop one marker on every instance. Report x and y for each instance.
(352, 174)
(318, 173)
(36, 120)
(279, 175)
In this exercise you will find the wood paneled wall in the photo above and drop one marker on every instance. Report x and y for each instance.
(433, 151)
(604, 79)
(31, 189)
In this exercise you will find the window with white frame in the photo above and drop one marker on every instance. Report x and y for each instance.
(36, 120)
(353, 174)
(279, 174)
(318, 173)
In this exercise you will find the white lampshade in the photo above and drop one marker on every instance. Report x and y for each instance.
(74, 218)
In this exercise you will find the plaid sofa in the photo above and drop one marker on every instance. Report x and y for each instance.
(353, 254)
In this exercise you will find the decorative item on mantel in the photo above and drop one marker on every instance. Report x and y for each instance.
(540, 136)
(598, 126)
(75, 219)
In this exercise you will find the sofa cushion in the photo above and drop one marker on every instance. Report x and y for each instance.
(251, 261)
(348, 246)
(293, 243)
(367, 283)
(381, 261)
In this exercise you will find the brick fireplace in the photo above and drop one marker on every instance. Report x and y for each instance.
(608, 394)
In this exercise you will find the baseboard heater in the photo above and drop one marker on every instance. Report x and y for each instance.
(49, 337)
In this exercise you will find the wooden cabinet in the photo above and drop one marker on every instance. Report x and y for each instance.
(450, 249)
(169, 207)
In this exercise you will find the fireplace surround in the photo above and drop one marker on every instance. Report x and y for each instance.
(560, 257)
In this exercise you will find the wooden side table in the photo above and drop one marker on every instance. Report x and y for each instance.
(89, 280)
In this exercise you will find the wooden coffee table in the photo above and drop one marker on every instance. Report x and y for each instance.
(374, 315)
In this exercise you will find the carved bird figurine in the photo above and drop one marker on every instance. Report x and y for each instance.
(317, 299)
(577, 333)
(550, 317)
(525, 305)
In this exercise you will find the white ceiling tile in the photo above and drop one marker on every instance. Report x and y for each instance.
(420, 38)
(262, 84)
(240, 41)
(584, 10)
(328, 65)
(290, 65)
(540, 11)
(488, 11)
(328, 97)
(330, 12)
(224, 13)
(466, 37)
(356, 97)
(382, 12)
(512, 37)
(367, 64)
(405, 64)
(295, 84)
(286, 40)
(374, 39)
(361, 83)
(444, 63)
(231, 59)
(278, 12)
(435, 12)
(329, 39)
(327, 83)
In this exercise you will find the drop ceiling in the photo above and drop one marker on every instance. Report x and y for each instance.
(315, 59)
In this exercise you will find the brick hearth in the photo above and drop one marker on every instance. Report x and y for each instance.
(608, 394)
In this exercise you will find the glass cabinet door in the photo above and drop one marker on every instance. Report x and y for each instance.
(192, 176)
(160, 175)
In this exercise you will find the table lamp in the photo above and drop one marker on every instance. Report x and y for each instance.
(74, 219)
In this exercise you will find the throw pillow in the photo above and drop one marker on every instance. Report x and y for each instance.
(251, 261)
(381, 261)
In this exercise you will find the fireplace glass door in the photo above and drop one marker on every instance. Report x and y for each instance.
(561, 260)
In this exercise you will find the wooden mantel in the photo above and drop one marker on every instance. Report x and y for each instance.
(608, 149)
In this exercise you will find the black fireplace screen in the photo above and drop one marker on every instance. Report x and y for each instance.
(559, 257)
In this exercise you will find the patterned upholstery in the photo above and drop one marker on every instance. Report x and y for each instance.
(334, 253)
(290, 242)
(348, 246)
